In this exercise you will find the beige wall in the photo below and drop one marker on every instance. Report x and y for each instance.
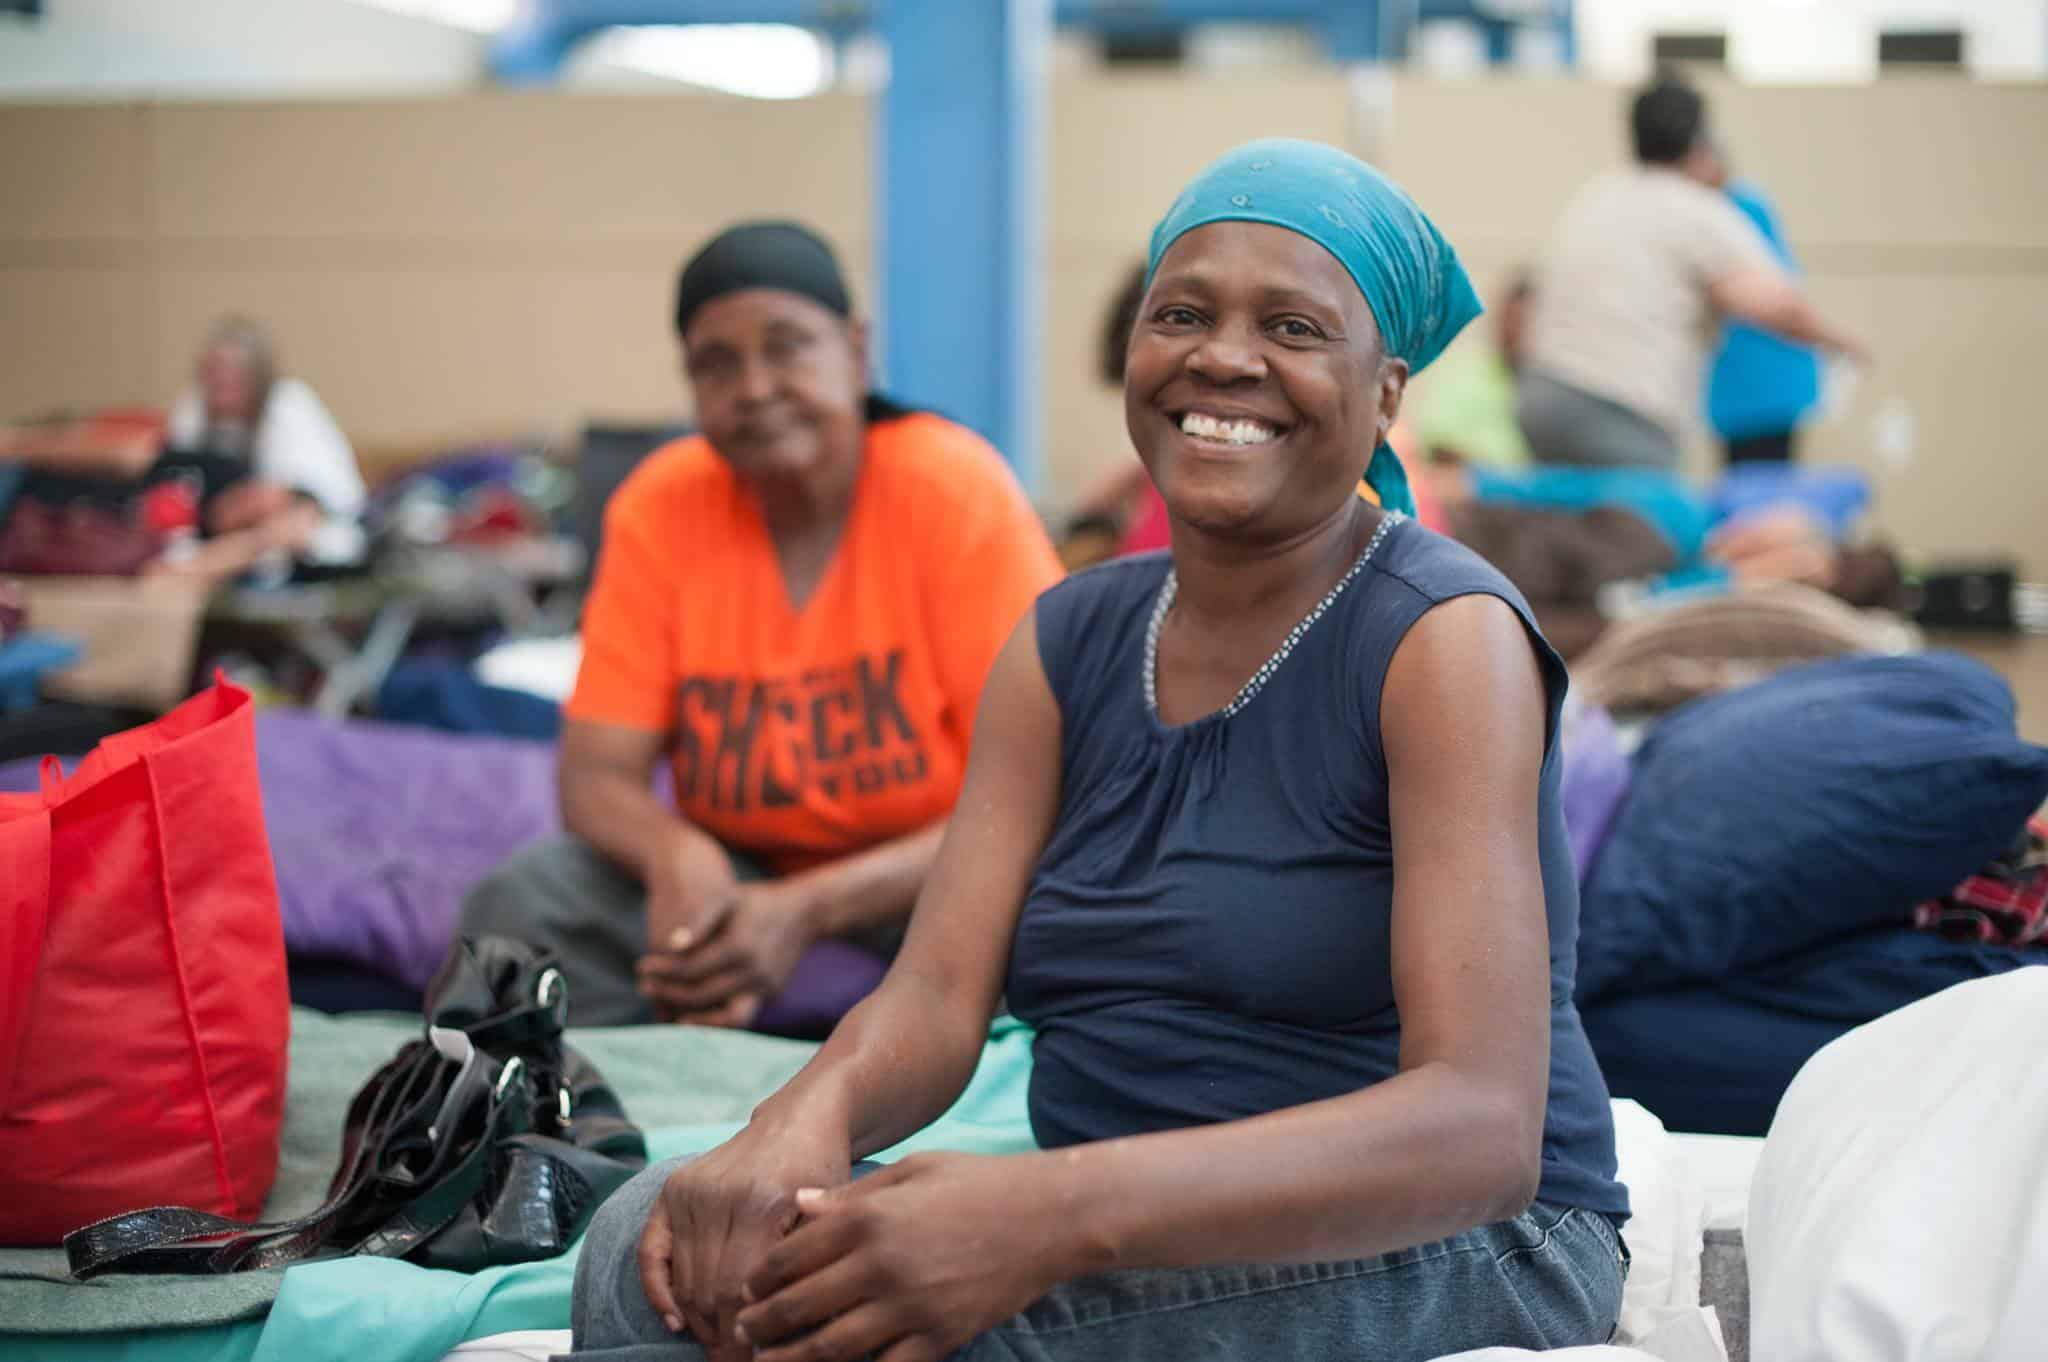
(435, 268)
(502, 262)
(1120, 152)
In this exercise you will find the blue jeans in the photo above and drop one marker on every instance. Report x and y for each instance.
(1549, 1278)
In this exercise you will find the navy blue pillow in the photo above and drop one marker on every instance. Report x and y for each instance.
(1827, 799)
(1715, 1058)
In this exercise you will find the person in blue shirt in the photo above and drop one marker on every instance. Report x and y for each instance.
(1290, 1104)
(1761, 388)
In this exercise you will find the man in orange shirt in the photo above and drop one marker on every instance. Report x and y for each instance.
(796, 610)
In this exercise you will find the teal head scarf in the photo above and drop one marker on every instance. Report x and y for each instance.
(1410, 276)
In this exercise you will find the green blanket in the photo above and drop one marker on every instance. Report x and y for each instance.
(688, 1087)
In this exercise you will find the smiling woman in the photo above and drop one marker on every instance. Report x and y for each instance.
(1263, 838)
(1242, 390)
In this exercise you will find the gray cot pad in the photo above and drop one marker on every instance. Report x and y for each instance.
(716, 1076)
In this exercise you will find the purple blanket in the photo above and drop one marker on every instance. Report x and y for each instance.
(1595, 781)
(378, 830)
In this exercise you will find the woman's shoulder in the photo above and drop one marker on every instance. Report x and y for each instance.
(942, 485)
(1115, 583)
(1435, 568)
(1417, 570)
(292, 400)
(684, 470)
(938, 455)
(289, 388)
(1098, 609)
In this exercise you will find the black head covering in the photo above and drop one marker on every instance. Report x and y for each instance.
(778, 255)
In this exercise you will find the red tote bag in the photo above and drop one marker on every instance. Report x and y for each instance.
(143, 1005)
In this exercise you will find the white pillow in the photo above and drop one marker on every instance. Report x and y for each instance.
(539, 666)
(1899, 1211)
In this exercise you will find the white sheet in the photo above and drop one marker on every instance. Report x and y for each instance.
(1721, 1166)
(1667, 1222)
(1695, 1340)
(1693, 1336)
(528, 1345)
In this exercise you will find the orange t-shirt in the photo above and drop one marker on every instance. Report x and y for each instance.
(803, 735)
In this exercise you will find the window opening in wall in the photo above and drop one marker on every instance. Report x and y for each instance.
(1689, 49)
(1921, 49)
(1145, 47)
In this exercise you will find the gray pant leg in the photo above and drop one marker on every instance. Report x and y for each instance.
(609, 1313)
(564, 895)
(1567, 425)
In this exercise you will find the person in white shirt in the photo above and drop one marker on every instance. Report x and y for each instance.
(239, 404)
(304, 487)
(1631, 290)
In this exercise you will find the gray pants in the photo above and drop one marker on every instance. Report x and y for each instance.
(1549, 1278)
(566, 896)
(1569, 425)
(563, 894)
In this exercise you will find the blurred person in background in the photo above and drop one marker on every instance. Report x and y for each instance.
(239, 405)
(1631, 288)
(1762, 388)
(795, 611)
(249, 470)
(1119, 512)
(1466, 413)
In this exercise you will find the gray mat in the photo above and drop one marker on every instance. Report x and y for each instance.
(666, 1077)
(1724, 1284)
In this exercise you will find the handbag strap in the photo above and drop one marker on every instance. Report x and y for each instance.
(179, 1239)
(534, 1030)
(427, 1214)
(168, 1239)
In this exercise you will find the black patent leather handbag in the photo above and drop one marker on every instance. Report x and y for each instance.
(487, 1141)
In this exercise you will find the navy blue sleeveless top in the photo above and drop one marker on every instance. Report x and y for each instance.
(1206, 936)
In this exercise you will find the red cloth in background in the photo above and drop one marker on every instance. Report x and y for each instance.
(2005, 902)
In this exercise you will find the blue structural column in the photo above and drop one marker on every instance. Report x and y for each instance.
(1366, 30)
(962, 207)
(1565, 22)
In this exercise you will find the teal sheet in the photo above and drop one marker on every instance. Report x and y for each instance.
(690, 1088)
